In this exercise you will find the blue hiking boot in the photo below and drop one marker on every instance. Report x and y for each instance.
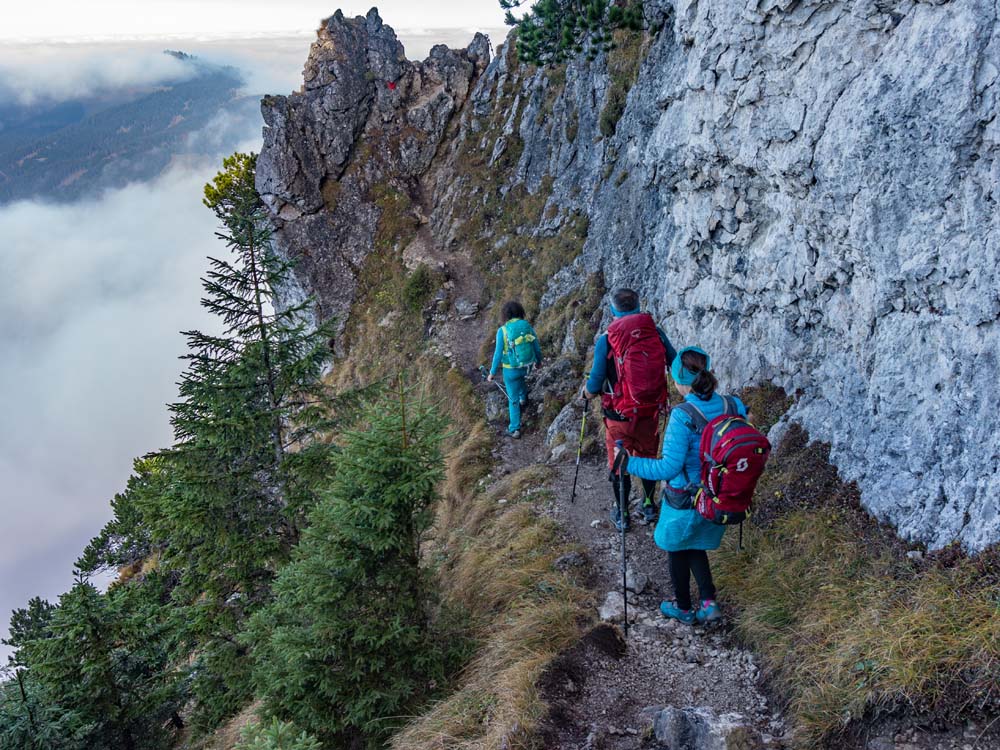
(616, 518)
(671, 611)
(649, 511)
(708, 612)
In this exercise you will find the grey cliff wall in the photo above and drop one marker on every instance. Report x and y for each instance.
(807, 189)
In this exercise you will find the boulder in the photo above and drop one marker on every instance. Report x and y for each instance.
(701, 729)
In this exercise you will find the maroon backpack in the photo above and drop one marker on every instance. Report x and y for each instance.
(639, 363)
(733, 454)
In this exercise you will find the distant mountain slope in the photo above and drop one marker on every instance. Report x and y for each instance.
(71, 149)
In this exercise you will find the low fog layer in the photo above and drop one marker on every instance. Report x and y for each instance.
(91, 302)
(42, 74)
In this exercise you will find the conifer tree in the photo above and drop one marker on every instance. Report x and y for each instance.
(345, 645)
(245, 467)
(96, 675)
(553, 31)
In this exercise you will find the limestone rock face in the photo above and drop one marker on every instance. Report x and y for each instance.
(702, 729)
(807, 188)
(809, 191)
(352, 144)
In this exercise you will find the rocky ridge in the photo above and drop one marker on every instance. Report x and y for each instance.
(808, 189)
(351, 146)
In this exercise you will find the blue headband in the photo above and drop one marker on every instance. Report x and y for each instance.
(620, 313)
(680, 373)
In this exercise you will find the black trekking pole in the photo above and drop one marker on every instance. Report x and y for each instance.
(579, 449)
(482, 371)
(622, 508)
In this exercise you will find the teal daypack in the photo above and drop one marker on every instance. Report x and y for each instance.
(518, 344)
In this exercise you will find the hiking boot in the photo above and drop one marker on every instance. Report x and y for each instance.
(671, 611)
(708, 611)
(516, 434)
(616, 518)
(649, 511)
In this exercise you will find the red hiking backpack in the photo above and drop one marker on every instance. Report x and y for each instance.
(733, 454)
(637, 377)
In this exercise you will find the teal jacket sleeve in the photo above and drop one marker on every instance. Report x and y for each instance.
(497, 353)
(599, 370)
(675, 450)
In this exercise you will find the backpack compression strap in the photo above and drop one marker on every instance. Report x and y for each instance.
(730, 409)
(698, 420)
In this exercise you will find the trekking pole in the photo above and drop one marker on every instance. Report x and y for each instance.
(482, 371)
(622, 506)
(579, 450)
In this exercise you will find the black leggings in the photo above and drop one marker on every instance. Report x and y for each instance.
(648, 489)
(682, 565)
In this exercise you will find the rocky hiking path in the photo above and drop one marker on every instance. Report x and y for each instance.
(670, 686)
(692, 683)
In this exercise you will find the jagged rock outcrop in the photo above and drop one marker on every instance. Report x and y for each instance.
(701, 729)
(351, 145)
(807, 188)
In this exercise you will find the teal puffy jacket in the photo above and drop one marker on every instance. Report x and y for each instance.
(682, 529)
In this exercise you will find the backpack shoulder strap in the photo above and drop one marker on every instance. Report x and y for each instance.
(696, 415)
(730, 409)
(506, 343)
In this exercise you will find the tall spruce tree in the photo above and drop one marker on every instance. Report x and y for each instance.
(553, 31)
(345, 646)
(245, 467)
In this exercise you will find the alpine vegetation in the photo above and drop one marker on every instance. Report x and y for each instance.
(347, 644)
(202, 527)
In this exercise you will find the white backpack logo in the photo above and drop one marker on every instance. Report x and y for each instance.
(742, 465)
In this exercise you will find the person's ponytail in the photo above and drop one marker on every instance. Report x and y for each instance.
(704, 385)
(705, 382)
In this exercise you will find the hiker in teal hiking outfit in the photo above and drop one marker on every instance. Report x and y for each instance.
(517, 352)
(681, 530)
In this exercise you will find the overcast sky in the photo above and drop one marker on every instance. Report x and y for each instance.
(72, 19)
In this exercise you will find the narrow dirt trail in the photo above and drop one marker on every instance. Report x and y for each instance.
(599, 689)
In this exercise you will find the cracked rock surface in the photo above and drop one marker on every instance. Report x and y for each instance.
(806, 188)
(809, 191)
(353, 144)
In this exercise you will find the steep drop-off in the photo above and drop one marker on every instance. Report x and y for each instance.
(807, 189)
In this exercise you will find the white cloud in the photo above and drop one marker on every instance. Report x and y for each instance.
(59, 72)
(92, 300)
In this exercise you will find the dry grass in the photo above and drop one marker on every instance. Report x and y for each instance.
(623, 70)
(496, 567)
(228, 735)
(847, 625)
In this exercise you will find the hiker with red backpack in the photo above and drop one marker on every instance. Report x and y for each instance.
(629, 373)
(518, 352)
(712, 458)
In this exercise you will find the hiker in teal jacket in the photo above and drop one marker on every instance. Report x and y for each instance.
(685, 534)
(517, 351)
